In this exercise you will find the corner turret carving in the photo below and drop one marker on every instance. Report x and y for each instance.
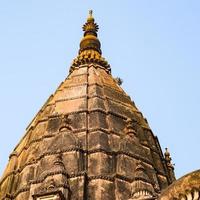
(170, 166)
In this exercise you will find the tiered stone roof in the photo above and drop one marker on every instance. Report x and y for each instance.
(88, 141)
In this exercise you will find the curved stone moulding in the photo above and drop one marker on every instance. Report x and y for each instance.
(142, 194)
(190, 195)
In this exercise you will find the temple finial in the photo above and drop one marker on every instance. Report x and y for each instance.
(90, 46)
(90, 18)
(90, 40)
(90, 13)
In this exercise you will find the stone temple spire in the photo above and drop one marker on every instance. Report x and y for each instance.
(88, 141)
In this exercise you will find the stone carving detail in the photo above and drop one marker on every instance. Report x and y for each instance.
(185, 188)
(141, 186)
(169, 164)
(49, 186)
(65, 123)
(156, 184)
(59, 161)
(49, 197)
(190, 195)
(54, 182)
(57, 167)
(130, 128)
(130, 143)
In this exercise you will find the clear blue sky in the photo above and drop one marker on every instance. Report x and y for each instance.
(153, 46)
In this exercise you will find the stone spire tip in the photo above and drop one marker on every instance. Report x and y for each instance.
(90, 40)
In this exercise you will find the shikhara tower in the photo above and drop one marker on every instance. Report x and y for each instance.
(88, 141)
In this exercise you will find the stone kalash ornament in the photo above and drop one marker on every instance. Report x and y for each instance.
(89, 141)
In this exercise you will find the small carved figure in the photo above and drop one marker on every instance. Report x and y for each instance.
(65, 123)
(129, 129)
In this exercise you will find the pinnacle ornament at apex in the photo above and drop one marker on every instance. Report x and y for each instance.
(90, 40)
(90, 47)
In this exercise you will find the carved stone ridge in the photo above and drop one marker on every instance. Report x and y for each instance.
(103, 177)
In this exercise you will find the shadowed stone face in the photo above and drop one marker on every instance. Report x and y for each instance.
(89, 141)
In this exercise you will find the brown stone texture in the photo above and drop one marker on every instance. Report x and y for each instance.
(81, 146)
(186, 188)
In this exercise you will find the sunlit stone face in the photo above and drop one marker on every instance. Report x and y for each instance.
(49, 197)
